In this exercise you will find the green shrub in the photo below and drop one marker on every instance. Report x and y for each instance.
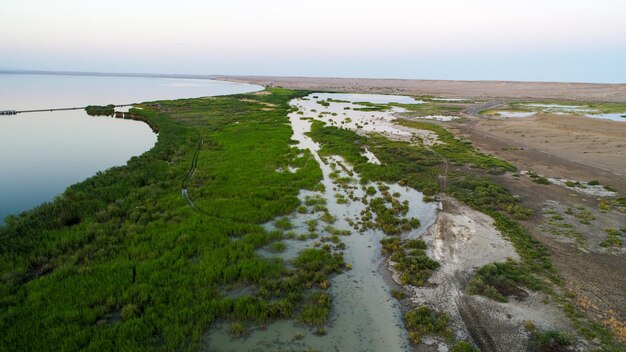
(100, 110)
(550, 341)
(237, 329)
(423, 321)
(463, 346)
(500, 280)
(542, 181)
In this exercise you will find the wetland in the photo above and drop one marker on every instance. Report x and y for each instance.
(293, 220)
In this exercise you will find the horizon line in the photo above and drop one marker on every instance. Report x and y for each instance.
(217, 76)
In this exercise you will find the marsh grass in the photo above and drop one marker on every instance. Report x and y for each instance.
(126, 241)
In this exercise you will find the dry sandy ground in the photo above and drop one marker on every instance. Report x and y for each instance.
(575, 148)
(463, 240)
(463, 89)
(559, 146)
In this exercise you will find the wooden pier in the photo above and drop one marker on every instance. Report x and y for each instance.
(15, 112)
(46, 110)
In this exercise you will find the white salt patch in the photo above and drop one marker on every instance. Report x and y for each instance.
(515, 113)
(370, 157)
(443, 118)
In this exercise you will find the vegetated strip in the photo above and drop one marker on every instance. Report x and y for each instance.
(121, 262)
(418, 166)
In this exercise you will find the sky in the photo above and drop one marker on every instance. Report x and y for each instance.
(530, 40)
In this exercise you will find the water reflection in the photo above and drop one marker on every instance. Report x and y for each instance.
(41, 154)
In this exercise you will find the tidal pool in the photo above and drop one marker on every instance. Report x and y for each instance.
(581, 110)
(370, 98)
(364, 317)
(344, 110)
(562, 108)
(620, 117)
(515, 113)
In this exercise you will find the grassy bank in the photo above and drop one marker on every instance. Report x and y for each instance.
(420, 167)
(121, 262)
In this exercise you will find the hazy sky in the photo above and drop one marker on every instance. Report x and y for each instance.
(559, 40)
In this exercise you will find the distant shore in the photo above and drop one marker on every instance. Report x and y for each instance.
(104, 74)
(606, 92)
(486, 89)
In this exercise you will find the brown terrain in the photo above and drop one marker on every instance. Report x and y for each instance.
(558, 146)
(575, 148)
(462, 89)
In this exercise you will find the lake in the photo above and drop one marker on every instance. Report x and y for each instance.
(43, 153)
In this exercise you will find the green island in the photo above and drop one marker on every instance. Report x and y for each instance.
(100, 110)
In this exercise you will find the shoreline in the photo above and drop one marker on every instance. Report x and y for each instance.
(600, 92)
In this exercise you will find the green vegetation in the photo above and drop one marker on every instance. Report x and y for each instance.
(591, 330)
(277, 247)
(283, 224)
(331, 100)
(495, 201)
(460, 152)
(618, 204)
(317, 310)
(390, 219)
(423, 321)
(486, 196)
(463, 346)
(237, 329)
(419, 167)
(550, 341)
(500, 280)
(398, 294)
(413, 166)
(431, 108)
(410, 260)
(614, 238)
(122, 262)
(607, 108)
(542, 180)
(100, 110)
(367, 106)
(574, 184)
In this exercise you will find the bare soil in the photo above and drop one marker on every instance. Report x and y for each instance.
(462, 240)
(451, 89)
(559, 146)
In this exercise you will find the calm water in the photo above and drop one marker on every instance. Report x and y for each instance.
(29, 92)
(41, 154)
